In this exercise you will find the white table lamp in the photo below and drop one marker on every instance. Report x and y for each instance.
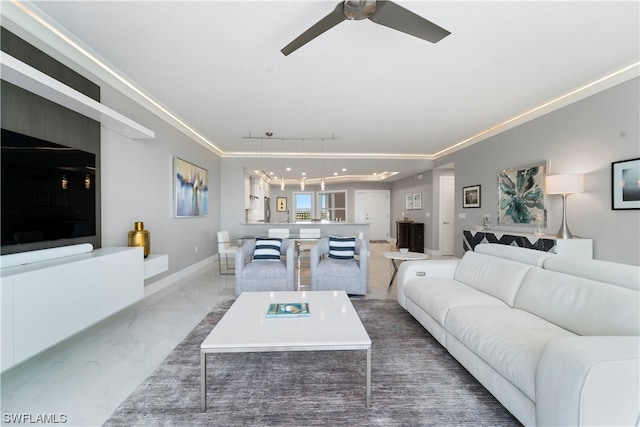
(564, 185)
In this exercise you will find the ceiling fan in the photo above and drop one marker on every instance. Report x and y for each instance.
(381, 12)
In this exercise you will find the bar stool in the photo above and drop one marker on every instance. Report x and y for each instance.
(225, 247)
(282, 233)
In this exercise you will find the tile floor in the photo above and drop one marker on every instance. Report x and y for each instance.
(84, 379)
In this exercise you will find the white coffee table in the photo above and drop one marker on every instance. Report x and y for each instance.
(409, 256)
(332, 325)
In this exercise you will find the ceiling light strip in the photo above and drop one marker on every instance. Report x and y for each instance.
(544, 106)
(111, 72)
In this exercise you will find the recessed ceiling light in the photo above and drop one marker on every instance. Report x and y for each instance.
(344, 169)
(270, 173)
(335, 174)
(288, 169)
(304, 173)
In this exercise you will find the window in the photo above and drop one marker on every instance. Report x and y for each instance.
(303, 206)
(333, 205)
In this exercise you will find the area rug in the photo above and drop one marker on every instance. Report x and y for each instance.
(415, 382)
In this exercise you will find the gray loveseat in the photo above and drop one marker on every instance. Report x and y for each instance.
(555, 339)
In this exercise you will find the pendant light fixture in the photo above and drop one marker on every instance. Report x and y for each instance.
(302, 183)
(322, 183)
(261, 169)
(282, 177)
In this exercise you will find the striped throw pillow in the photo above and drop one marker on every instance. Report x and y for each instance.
(267, 249)
(342, 247)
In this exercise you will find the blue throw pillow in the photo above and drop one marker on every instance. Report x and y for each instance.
(267, 249)
(342, 247)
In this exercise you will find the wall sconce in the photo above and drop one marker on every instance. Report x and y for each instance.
(564, 185)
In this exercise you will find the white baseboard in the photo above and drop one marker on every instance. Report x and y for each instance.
(173, 278)
(433, 253)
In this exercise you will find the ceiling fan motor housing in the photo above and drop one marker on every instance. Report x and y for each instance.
(359, 9)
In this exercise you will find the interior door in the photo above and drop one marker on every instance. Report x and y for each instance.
(373, 207)
(447, 214)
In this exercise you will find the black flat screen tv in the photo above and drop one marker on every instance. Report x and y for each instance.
(48, 193)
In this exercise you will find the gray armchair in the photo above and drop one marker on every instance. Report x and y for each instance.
(252, 276)
(328, 274)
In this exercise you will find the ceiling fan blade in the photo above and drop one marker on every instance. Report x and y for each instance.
(331, 20)
(397, 17)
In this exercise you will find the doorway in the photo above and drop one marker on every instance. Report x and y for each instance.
(446, 210)
(374, 208)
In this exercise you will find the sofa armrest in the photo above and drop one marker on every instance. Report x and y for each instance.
(316, 253)
(290, 259)
(409, 270)
(363, 257)
(589, 381)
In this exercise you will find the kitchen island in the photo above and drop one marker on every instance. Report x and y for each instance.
(327, 228)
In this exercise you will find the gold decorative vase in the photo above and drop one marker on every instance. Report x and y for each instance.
(140, 237)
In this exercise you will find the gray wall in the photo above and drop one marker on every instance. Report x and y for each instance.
(427, 184)
(137, 185)
(584, 137)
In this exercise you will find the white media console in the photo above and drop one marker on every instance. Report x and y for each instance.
(45, 302)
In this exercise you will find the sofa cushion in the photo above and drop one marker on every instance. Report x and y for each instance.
(627, 276)
(583, 306)
(342, 247)
(514, 253)
(498, 277)
(436, 296)
(267, 249)
(346, 268)
(264, 270)
(511, 341)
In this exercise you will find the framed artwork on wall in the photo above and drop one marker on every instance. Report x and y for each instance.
(281, 204)
(191, 189)
(521, 195)
(625, 184)
(417, 201)
(409, 202)
(471, 196)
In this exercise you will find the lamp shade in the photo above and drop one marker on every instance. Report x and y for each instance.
(564, 184)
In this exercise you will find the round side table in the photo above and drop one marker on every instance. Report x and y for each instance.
(397, 256)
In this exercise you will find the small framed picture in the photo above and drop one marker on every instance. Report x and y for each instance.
(409, 202)
(625, 184)
(281, 204)
(417, 201)
(471, 196)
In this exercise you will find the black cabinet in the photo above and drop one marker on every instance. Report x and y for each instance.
(410, 235)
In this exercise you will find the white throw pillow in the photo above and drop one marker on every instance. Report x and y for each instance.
(342, 247)
(267, 249)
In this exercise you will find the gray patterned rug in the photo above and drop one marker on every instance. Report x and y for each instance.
(414, 382)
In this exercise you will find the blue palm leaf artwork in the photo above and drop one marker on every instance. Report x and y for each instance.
(521, 196)
(191, 188)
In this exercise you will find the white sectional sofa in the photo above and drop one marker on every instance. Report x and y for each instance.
(555, 339)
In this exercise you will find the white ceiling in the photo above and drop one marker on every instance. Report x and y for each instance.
(381, 93)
